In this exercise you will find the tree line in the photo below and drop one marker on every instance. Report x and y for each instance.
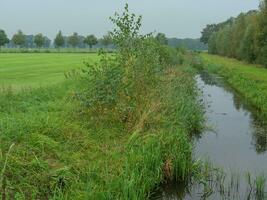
(39, 40)
(243, 37)
(77, 41)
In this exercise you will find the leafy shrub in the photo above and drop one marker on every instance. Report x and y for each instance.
(104, 81)
(122, 83)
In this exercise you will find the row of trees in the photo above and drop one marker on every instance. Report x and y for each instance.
(243, 37)
(19, 40)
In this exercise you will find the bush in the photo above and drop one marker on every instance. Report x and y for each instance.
(122, 84)
(104, 81)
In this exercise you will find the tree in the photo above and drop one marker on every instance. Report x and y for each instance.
(212, 44)
(161, 38)
(106, 40)
(207, 32)
(3, 38)
(39, 40)
(59, 40)
(243, 37)
(247, 49)
(238, 32)
(73, 40)
(262, 33)
(19, 38)
(90, 40)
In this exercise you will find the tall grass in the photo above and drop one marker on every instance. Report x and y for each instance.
(217, 183)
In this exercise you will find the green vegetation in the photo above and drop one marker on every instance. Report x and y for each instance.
(115, 132)
(3, 38)
(73, 40)
(188, 43)
(161, 38)
(59, 40)
(39, 40)
(243, 37)
(34, 70)
(90, 40)
(19, 39)
(106, 40)
(250, 80)
(61, 151)
(216, 183)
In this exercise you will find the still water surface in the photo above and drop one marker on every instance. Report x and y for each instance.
(236, 140)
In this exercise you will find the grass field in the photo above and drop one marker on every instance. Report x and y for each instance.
(248, 79)
(38, 69)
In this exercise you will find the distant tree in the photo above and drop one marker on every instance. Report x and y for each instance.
(106, 40)
(262, 33)
(212, 44)
(73, 40)
(207, 32)
(90, 40)
(47, 43)
(3, 38)
(248, 50)
(39, 40)
(238, 31)
(161, 38)
(59, 40)
(19, 38)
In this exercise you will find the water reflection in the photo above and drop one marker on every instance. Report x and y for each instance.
(258, 128)
(237, 141)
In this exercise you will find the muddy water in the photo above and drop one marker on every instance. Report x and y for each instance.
(236, 140)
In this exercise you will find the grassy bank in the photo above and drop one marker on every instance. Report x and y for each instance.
(249, 80)
(52, 149)
(34, 70)
(115, 131)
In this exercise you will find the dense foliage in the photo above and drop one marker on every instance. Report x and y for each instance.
(243, 37)
(73, 40)
(39, 40)
(19, 39)
(3, 38)
(90, 40)
(122, 83)
(59, 40)
(113, 132)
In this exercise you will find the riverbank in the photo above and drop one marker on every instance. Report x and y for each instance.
(234, 145)
(249, 80)
(51, 150)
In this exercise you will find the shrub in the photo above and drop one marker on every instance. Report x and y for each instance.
(123, 83)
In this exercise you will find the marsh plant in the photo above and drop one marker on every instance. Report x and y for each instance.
(212, 182)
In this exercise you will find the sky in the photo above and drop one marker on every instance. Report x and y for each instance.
(175, 18)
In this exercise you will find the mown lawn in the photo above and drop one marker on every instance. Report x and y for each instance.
(39, 69)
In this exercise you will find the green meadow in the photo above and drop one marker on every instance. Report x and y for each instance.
(18, 70)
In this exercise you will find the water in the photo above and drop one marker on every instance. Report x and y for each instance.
(235, 142)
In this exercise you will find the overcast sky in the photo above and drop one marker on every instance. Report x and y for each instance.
(176, 18)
